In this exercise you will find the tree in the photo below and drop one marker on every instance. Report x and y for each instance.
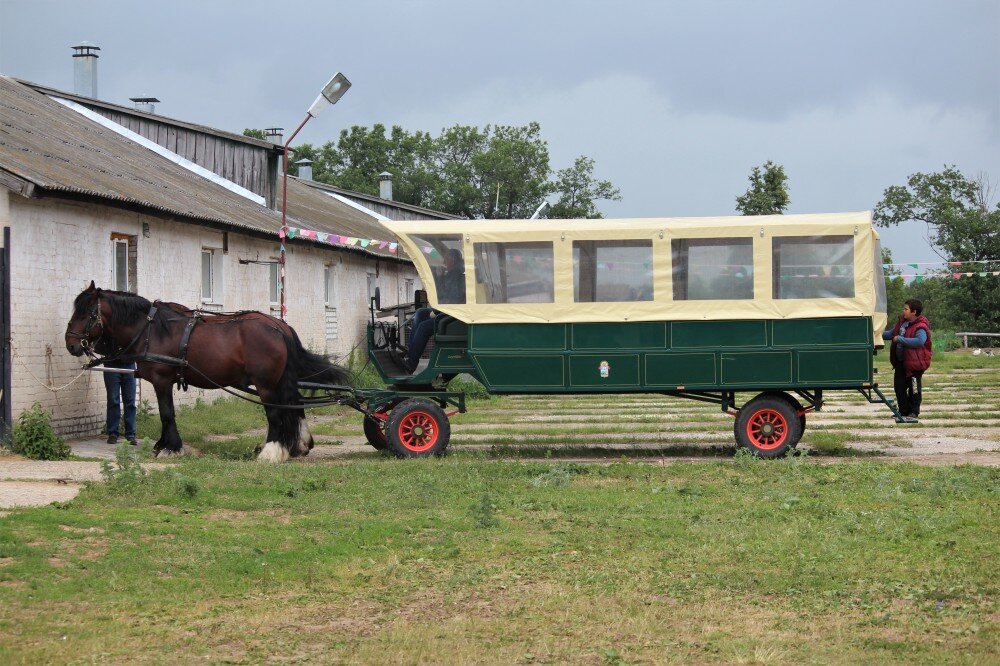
(895, 286)
(964, 225)
(578, 190)
(768, 191)
(499, 171)
(513, 171)
(255, 133)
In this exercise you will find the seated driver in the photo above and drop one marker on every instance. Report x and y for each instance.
(450, 289)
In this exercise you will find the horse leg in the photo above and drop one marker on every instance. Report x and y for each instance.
(170, 439)
(272, 450)
(306, 442)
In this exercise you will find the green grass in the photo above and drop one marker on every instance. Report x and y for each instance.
(195, 422)
(469, 559)
(510, 553)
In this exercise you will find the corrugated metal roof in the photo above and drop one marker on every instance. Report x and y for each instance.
(313, 209)
(59, 150)
(431, 214)
(155, 117)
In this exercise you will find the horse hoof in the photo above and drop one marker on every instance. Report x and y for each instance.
(170, 453)
(273, 452)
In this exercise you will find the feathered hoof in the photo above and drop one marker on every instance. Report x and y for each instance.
(170, 453)
(272, 452)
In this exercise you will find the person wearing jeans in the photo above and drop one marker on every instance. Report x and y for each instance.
(910, 355)
(421, 330)
(120, 387)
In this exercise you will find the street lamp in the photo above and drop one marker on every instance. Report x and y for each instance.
(330, 94)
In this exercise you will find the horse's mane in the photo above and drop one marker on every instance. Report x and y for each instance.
(126, 309)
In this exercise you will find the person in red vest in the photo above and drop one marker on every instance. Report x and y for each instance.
(910, 355)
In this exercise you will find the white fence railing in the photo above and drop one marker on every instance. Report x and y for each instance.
(966, 335)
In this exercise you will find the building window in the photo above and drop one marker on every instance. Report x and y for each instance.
(372, 283)
(407, 291)
(814, 267)
(712, 269)
(612, 271)
(514, 272)
(120, 265)
(273, 281)
(123, 256)
(211, 276)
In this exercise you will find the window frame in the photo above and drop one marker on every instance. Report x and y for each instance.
(116, 242)
(215, 276)
(680, 270)
(644, 244)
(484, 254)
(274, 283)
(776, 285)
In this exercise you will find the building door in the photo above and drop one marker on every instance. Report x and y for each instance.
(5, 398)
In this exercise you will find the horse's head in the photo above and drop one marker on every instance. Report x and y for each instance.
(87, 323)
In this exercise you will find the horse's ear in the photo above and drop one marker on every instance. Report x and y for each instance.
(92, 286)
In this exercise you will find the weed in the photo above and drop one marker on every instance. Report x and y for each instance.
(185, 485)
(362, 372)
(126, 473)
(34, 437)
(468, 385)
(557, 476)
(483, 512)
(828, 442)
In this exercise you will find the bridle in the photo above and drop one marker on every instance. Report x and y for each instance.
(94, 320)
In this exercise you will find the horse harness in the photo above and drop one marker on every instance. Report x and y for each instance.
(180, 360)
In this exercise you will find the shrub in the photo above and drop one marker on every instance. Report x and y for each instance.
(127, 471)
(472, 388)
(34, 437)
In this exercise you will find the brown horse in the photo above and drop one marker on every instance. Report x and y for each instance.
(173, 344)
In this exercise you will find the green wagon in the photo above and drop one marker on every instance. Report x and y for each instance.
(772, 309)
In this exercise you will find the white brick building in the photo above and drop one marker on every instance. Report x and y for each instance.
(82, 201)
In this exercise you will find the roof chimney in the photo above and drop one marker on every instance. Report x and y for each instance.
(305, 168)
(275, 135)
(85, 69)
(145, 103)
(385, 186)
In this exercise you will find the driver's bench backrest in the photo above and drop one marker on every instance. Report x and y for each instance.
(449, 329)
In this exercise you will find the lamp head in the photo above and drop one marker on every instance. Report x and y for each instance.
(331, 92)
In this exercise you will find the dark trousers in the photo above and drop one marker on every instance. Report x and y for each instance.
(421, 330)
(121, 392)
(909, 391)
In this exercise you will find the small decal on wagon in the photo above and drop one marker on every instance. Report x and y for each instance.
(605, 369)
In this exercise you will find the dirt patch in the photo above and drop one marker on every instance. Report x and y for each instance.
(82, 530)
(49, 470)
(36, 493)
(229, 515)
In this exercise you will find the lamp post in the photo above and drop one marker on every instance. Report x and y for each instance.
(331, 93)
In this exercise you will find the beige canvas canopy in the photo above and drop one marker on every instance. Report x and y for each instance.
(652, 269)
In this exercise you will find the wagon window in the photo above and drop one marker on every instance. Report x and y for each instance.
(712, 269)
(612, 271)
(514, 272)
(814, 267)
(443, 253)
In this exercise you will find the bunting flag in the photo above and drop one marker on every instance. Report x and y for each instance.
(920, 277)
(918, 264)
(336, 239)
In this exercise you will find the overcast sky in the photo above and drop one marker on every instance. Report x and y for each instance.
(676, 101)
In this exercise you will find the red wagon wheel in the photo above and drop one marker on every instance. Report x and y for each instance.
(375, 432)
(767, 429)
(417, 428)
(768, 426)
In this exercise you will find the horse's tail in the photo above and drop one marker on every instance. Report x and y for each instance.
(312, 367)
